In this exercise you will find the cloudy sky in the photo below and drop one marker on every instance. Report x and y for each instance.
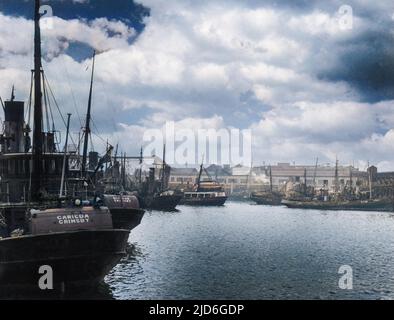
(291, 71)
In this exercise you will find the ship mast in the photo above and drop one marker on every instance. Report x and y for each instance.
(370, 180)
(36, 178)
(163, 169)
(305, 183)
(87, 123)
(199, 177)
(315, 172)
(336, 177)
(141, 160)
(12, 94)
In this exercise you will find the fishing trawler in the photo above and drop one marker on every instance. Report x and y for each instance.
(205, 193)
(345, 200)
(125, 208)
(267, 197)
(155, 194)
(38, 228)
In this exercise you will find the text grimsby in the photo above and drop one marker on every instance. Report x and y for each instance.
(73, 218)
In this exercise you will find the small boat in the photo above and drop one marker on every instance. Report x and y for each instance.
(155, 194)
(164, 201)
(205, 193)
(267, 198)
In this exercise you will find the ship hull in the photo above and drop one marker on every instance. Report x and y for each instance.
(267, 201)
(125, 210)
(164, 203)
(78, 259)
(349, 205)
(214, 202)
(124, 218)
(267, 198)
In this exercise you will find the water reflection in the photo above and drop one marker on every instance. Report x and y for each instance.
(245, 251)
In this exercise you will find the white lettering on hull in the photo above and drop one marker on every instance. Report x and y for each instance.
(73, 219)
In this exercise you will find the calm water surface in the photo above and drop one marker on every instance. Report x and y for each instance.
(245, 251)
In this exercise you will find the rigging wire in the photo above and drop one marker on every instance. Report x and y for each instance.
(57, 105)
(103, 91)
(98, 134)
(71, 91)
(91, 143)
(45, 102)
(28, 111)
(57, 141)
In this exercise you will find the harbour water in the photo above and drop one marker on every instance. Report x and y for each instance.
(246, 251)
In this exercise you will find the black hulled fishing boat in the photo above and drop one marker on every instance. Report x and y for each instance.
(125, 208)
(155, 194)
(37, 228)
(205, 193)
(267, 197)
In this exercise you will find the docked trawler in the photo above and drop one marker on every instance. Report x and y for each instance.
(162, 200)
(37, 229)
(155, 194)
(205, 193)
(125, 208)
(346, 200)
(267, 197)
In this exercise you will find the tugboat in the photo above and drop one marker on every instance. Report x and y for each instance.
(155, 194)
(37, 228)
(269, 197)
(205, 193)
(163, 201)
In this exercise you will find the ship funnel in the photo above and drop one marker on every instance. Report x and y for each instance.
(12, 139)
